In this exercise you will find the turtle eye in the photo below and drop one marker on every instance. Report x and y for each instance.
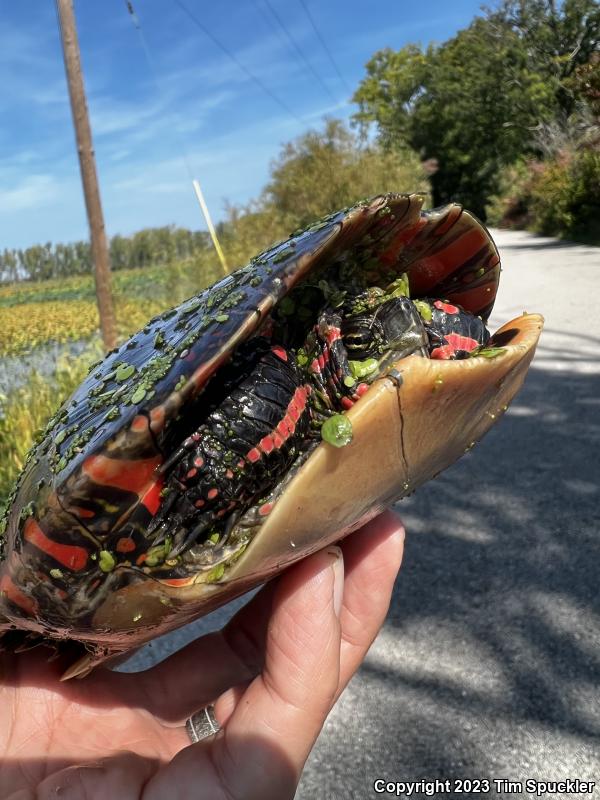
(362, 335)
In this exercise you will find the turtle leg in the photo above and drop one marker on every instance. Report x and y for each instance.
(186, 447)
(329, 368)
(185, 538)
(238, 453)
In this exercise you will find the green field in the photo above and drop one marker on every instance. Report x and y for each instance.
(37, 313)
(65, 310)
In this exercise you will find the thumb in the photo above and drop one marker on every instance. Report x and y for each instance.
(284, 708)
(263, 746)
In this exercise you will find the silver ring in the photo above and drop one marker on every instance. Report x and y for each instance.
(202, 724)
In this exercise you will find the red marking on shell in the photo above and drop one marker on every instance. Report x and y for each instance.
(139, 423)
(333, 334)
(443, 353)
(177, 582)
(444, 225)
(157, 419)
(267, 444)
(265, 509)
(287, 426)
(253, 455)
(141, 559)
(447, 307)
(83, 512)
(152, 499)
(125, 545)
(314, 367)
(390, 256)
(212, 493)
(198, 462)
(191, 473)
(346, 402)
(362, 388)
(221, 513)
(61, 594)
(241, 463)
(321, 360)
(283, 428)
(301, 395)
(128, 475)
(455, 342)
(200, 503)
(17, 596)
(434, 268)
(461, 342)
(229, 474)
(280, 352)
(71, 556)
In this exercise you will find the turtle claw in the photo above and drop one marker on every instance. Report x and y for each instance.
(158, 521)
(79, 669)
(185, 539)
(161, 537)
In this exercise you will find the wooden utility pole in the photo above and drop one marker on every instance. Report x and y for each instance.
(87, 164)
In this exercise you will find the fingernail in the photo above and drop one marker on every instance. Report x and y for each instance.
(338, 578)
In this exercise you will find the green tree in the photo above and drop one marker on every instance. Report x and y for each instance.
(475, 102)
(558, 39)
(319, 172)
(585, 84)
(119, 252)
(329, 169)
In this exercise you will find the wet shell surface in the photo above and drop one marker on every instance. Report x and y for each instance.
(77, 562)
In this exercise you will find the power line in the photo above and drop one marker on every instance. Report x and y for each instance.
(184, 153)
(299, 51)
(324, 45)
(154, 72)
(272, 24)
(236, 60)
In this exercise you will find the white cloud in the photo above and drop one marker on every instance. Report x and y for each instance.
(32, 191)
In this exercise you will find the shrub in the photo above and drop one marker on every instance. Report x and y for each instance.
(556, 197)
(565, 200)
(509, 208)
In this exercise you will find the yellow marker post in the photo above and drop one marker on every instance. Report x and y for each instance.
(211, 227)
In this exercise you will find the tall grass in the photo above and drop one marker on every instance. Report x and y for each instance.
(26, 410)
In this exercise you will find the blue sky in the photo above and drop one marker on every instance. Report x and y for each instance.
(191, 105)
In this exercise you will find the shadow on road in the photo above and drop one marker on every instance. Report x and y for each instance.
(550, 244)
(495, 621)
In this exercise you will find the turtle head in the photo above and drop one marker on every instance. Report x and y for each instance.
(394, 326)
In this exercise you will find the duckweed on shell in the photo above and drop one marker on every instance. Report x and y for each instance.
(337, 430)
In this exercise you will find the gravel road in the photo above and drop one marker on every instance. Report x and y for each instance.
(488, 666)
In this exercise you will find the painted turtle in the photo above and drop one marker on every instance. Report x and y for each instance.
(258, 421)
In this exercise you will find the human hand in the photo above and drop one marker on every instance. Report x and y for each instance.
(288, 655)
